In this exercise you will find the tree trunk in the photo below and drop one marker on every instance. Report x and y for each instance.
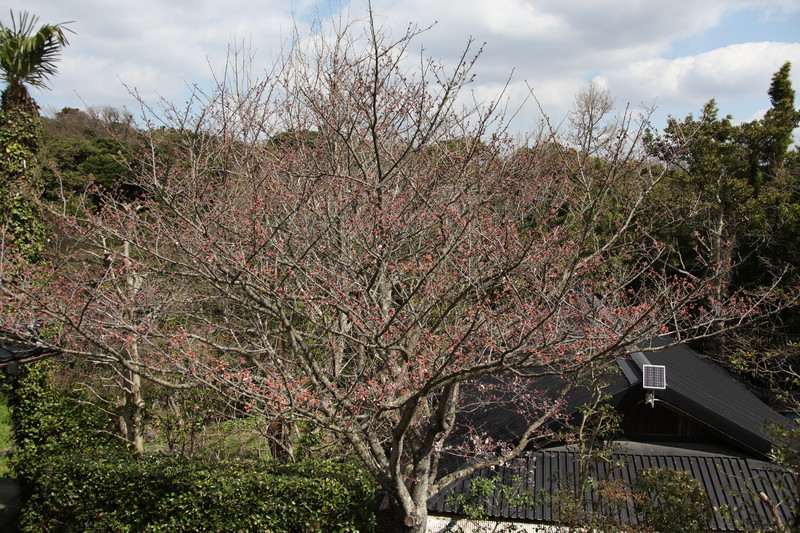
(409, 518)
(132, 382)
(130, 410)
(136, 408)
(16, 98)
(722, 243)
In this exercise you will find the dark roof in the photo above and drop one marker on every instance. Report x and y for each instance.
(697, 388)
(499, 414)
(22, 345)
(730, 481)
(706, 392)
(730, 466)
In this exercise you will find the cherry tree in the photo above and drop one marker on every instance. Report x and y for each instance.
(355, 242)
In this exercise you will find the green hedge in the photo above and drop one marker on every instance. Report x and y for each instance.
(121, 492)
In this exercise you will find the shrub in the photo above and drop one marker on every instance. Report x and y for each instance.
(48, 419)
(671, 501)
(119, 492)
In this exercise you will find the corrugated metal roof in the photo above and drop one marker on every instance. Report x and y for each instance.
(731, 482)
(701, 390)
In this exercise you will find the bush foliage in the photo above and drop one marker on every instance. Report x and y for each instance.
(672, 501)
(122, 492)
(76, 476)
(49, 418)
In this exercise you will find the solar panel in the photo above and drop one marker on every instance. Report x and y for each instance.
(654, 377)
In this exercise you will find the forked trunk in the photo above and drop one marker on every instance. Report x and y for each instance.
(409, 517)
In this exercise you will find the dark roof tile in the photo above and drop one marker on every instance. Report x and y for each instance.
(729, 481)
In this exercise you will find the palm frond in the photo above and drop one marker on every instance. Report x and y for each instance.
(27, 55)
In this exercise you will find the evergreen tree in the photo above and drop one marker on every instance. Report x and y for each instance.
(708, 197)
(779, 122)
(733, 187)
(732, 197)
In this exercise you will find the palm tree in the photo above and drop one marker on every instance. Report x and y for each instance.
(28, 57)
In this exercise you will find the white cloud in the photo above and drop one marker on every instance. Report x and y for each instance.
(158, 46)
(733, 71)
(155, 46)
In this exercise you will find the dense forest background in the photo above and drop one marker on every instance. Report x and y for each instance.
(731, 192)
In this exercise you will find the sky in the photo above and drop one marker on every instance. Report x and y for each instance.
(674, 55)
